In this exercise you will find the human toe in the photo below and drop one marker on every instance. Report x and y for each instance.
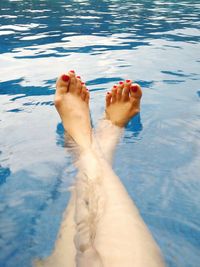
(78, 86)
(120, 87)
(126, 90)
(62, 84)
(135, 90)
(114, 94)
(73, 81)
(108, 99)
(84, 92)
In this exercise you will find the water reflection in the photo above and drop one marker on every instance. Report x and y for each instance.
(133, 129)
(4, 174)
(31, 24)
(15, 88)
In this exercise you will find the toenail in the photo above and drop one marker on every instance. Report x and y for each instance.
(79, 77)
(121, 82)
(72, 71)
(128, 81)
(65, 77)
(134, 88)
(82, 83)
(108, 93)
(115, 86)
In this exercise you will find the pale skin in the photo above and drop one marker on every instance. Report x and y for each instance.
(102, 226)
(72, 104)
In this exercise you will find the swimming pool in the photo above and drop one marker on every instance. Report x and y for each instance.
(156, 43)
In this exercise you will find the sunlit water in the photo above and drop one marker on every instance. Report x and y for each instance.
(156, 43)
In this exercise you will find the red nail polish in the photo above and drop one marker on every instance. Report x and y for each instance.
(82, 83)
(72, 71)
(121, 82)
(128, 81)
(134, 88)
(65, 77)
(79, 77)
(108, 93)
(115, 86)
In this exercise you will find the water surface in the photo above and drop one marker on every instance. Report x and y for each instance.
(155, 43)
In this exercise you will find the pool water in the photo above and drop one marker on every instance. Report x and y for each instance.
(155, 43)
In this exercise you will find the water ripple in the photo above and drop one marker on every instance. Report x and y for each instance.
(155, 43)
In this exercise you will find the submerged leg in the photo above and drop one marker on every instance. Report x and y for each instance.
(122, 238)
(64, 252)
(72, 104)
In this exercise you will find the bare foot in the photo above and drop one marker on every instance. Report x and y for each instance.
(123, 102)
(72, 104)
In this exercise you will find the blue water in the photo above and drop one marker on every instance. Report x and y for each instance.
(155, 43)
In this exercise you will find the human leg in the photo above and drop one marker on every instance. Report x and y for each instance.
(127, 238)
(72, 104)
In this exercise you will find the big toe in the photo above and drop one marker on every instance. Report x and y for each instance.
(62, 84)
(135, 91)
